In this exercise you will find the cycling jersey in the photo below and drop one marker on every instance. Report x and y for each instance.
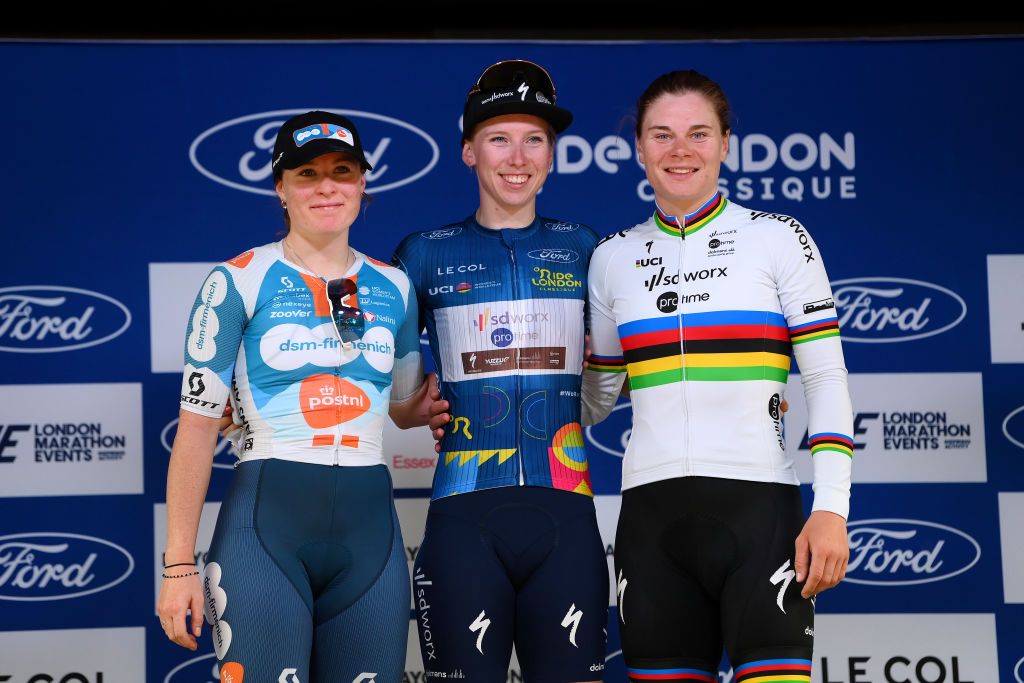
(504, 312)
(702, 313)
(261, 329)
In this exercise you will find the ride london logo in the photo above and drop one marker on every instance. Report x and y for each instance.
(49, 319)
(45, 566)
(237, 153)
(885, 310)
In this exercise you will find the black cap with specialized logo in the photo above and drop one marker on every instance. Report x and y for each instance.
(514, 86)
(304, 137)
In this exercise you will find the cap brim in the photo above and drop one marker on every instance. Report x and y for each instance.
(558, 118)
(314, 148)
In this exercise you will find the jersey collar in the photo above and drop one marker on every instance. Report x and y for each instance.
(693, 222)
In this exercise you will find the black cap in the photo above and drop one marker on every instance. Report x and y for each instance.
(307, 136)
(514, 86)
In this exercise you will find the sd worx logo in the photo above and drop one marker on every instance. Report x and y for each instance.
(237, 153)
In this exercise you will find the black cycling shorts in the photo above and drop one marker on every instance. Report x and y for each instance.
(702, 562)
(516, 563)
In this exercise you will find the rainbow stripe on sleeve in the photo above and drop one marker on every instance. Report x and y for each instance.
(818, 329)
(606, 363)
(774, 671)
(677, 674)
(719, 346)
(829, 441)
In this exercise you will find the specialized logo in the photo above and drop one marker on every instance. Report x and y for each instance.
(889, 309)
(554, 281)
(322, 131)
(1013, 428)
(216, 603)
(232, 672)
(480, 624)
(819, 305)
(785, 576)
(328, 400)
(47, 319)
(442, 234)
(905, 552)
(237, 153)
(554, 255)
(620, 589)
(44, 566)
(572, 619)
(289, 676)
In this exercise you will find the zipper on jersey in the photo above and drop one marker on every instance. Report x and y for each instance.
(515, 297)
(685, 417)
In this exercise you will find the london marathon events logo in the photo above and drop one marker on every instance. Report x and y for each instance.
(905, 552)
(237, 153)
(42, 566)
(879, 310)
(48, 319)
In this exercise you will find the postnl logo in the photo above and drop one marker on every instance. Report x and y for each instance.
(237, 153)
(328, 400)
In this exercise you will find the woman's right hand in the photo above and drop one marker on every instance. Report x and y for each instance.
(177, 596)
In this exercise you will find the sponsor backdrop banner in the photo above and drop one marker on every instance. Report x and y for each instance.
(133, 167)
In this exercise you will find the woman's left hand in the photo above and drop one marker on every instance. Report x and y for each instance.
(824, 543)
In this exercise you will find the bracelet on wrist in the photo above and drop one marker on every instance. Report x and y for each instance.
(180, 564)
(179, 576)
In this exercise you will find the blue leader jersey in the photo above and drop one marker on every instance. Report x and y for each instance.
(504, 311)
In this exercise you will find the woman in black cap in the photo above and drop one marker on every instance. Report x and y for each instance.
(306, 579)
(512, 551)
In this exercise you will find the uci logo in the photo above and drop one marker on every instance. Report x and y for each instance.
(236, 153)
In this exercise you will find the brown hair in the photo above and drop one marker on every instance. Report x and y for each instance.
(680, 83)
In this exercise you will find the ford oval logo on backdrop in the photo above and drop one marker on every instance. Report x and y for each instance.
(237, 153)
(880, 310)
(48, 319)
(611, 435)
(201, 669)
(1013, 427)
(223, 457)
(56, 566)
(904, 552)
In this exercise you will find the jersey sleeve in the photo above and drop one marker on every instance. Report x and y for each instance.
(407, 375)
(810, 312)
(606, 368)
(212, 338)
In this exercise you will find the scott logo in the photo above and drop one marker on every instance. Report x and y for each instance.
(904, 552)
(889, 309)
(555, 255)
(1013, 427)
(56, 566)
(44, 319)
(237, 153)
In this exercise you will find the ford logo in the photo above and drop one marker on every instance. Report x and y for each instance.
(1018, 670)
(57, 566)
(201, 669)
(609, 436)
(562, 227)
(905, 552)
(442, 234)
(237, 153)
(881, 310)
(223, 457)
(556, 255)
(45, 319)
(1013, 428)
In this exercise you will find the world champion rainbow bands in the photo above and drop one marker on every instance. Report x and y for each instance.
(818, 329)
(829, 441)
(689, 675)
(693, 222)
(774, 671)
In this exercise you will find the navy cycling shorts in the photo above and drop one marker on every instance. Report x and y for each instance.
(518, 564)
(701, 562)
(306, 579)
